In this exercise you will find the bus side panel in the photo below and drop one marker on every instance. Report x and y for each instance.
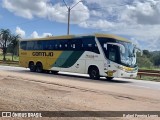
(54, 61)
(67, 60)
(93, 59)
(47, 61)
(23, 58)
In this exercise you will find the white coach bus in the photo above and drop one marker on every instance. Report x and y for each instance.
(97, 55)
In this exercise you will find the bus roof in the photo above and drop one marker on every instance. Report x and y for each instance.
(112, 36)
(74, 36)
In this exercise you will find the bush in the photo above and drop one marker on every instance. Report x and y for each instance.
(144, 62)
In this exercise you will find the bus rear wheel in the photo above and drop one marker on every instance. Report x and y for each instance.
(32, 67)
(94, 73)
(39, 67)
(55, 72)
(109, 78)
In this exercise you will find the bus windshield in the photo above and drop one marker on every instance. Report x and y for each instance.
(113, 52)
(129, 56)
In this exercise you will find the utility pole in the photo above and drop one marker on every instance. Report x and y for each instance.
(69, 13)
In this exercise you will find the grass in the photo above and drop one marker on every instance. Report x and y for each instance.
(9, 64)
(9, 57)
(149, 78)
(152, 68)
(8, 61)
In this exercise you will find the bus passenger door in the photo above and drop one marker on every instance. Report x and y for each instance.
(113, 58)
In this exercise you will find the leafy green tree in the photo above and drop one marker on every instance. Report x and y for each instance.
(156, 60)
(5, 38)
(14, 45)
(147, 53)
(144, 61)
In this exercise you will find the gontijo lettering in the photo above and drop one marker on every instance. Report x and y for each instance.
(42, 54)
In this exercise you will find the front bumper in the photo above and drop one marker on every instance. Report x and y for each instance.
(126, 74)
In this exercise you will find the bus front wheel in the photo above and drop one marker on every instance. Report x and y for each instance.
(39, 67)
(94, 73)
(32, 67)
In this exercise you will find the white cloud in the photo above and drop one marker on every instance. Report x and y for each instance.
(99, 24)
(138, 19)
(44, 9)
(20, 32)
(46, 34)
(36, 35)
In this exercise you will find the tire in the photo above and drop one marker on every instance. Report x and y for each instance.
(54, 72)
(94, 73)
(47, 71)
(39, 67)
(109, 78)
(32, 67)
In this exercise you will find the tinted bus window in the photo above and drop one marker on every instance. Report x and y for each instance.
(89, 44)
(23, 45)
(38, 45)
(30, 45)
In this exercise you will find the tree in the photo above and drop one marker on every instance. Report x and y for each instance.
(147, 53)
(14, 44)
(144, 62)
(5, 37)
(156, 60)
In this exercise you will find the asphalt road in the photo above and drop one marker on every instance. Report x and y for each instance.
(21, 89)
(116, 81)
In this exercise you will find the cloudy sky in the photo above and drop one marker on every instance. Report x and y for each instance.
(137, 20)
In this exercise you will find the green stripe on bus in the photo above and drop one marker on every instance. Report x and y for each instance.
(72, 59)
(62, 58)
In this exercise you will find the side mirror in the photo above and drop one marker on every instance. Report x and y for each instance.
(105, 46)
(139, 50)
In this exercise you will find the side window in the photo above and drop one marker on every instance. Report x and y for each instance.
(66, 45)
(57, 45)
(46, 44)
(38, 45)
(76, 44)
(50, 45)
(89, 44)
(112, 53)
(61, 44)
(23, 45)
(30, 45)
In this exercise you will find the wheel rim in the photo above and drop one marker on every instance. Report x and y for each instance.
(94, 73)
(39, 68)
(32, 68)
